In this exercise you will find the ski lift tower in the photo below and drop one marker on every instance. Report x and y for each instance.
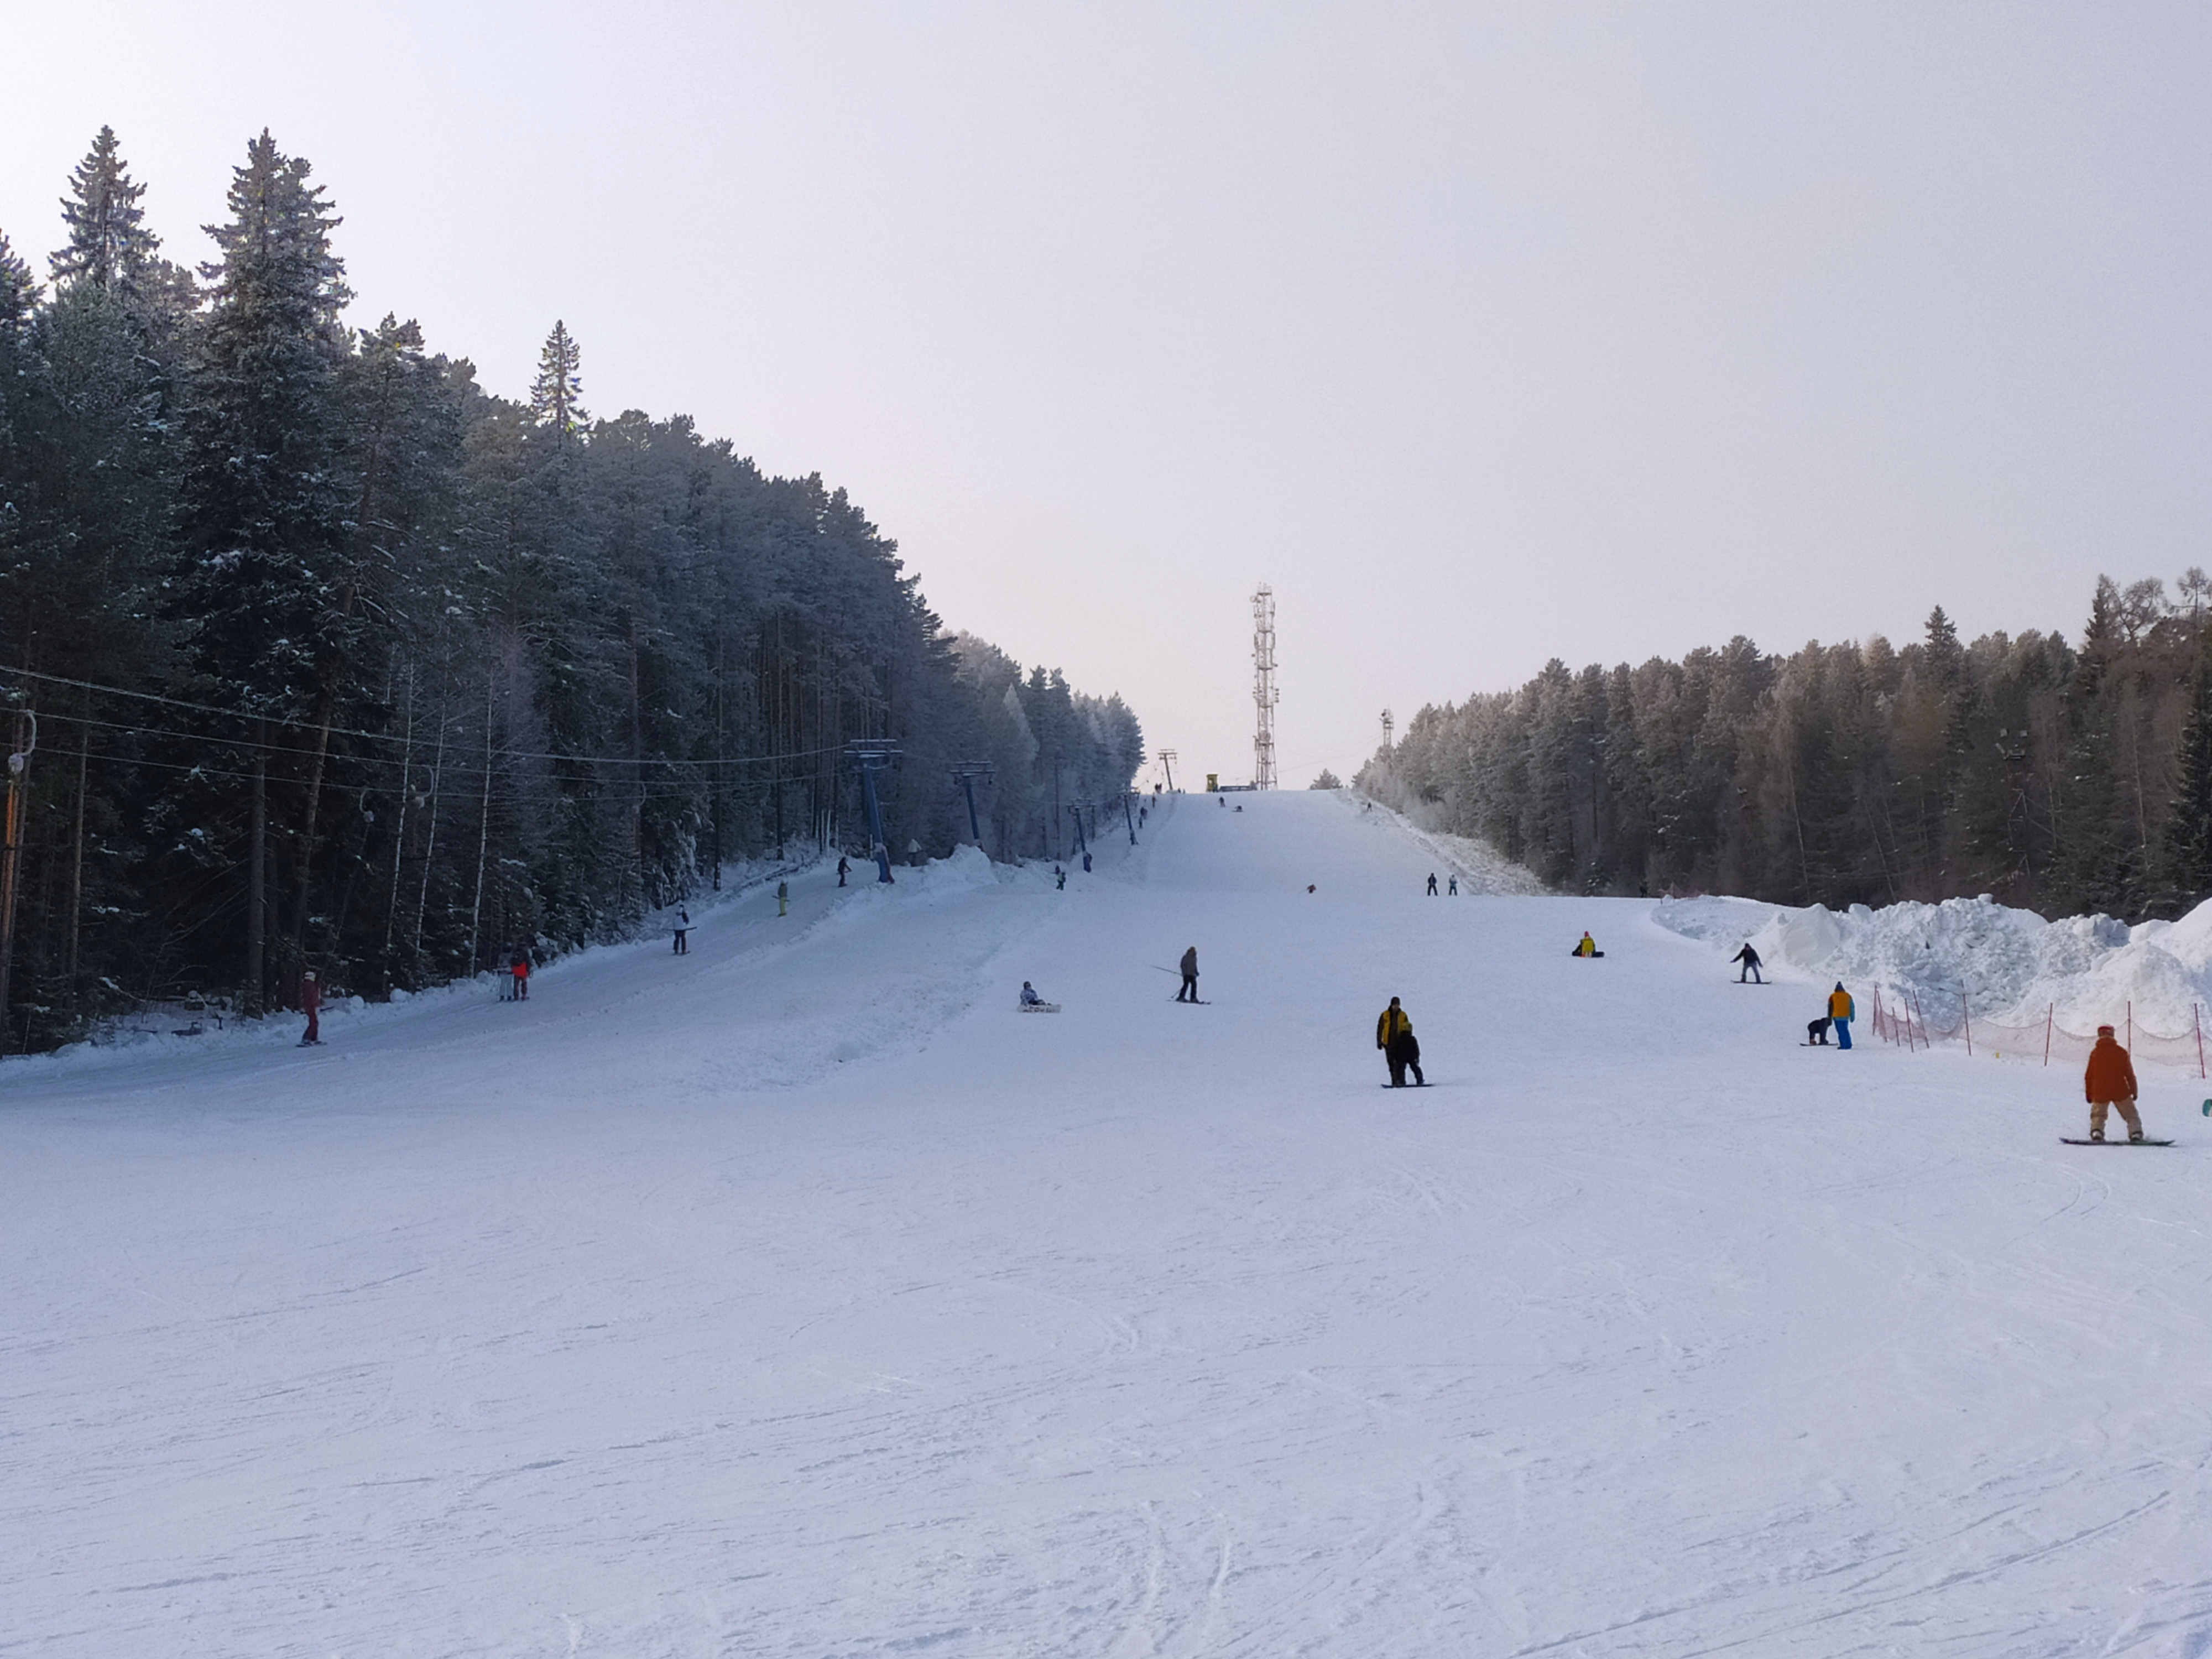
(1386, 730)
(1263, 687)
(870, 756)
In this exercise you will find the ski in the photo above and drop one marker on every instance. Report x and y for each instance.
(1403, 1086)
(2069, 1140)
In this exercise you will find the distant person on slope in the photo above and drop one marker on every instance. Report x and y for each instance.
(1189, 992)
(1841, 1011)
(1432, 883)
(844, 869)
(1451, 887)
(1030, 998)
(311, 1003)
(2108, 1082)
(1394, 1035)
(1586, 947)
(1816, 1032)
(783, 898)
(1749, 958)
(520, 971)
(683, 926)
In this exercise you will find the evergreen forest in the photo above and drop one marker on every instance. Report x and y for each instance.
(2060, 777)
(316, 654)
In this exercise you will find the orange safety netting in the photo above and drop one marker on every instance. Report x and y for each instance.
(1901, 1017)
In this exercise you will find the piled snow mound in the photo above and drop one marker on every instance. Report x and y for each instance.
(2003, 965)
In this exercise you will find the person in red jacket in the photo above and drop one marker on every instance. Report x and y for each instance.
(2110, 1081)
(311, 1003)
(521, 972)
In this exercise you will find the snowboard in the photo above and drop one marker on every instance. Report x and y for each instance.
(1040, 1007)
(2069, 1140)
(1405, 1086)
(1195, 1002)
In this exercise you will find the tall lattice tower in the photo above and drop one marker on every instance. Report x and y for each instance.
(1263, 687)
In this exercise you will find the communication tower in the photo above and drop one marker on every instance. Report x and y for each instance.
(1386, 730)
(1263, 687)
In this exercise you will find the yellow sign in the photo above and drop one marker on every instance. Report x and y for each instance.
(1213, 781)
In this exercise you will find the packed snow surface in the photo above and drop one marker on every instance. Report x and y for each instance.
(798, 1297)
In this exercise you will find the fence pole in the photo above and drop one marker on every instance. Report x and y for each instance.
(2196, 1020)
(2131, 1025)
(2048, 1015)
(1966, 1014)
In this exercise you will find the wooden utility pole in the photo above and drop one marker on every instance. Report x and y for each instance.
(11, 851)
(256, 870)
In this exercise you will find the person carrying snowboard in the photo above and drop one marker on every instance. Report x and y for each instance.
(1749, 958)
(1189, 992)
(844, 869)
(1841, 1012)
(311, 1003)
(1586, 947)
(2108, 1082)
(1432, 883)
(683, 926)
(1394, 1035)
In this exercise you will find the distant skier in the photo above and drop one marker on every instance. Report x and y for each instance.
(311, 1003)
(1816, 1032)
(2108, 1082)
(1059, 879)
(844, 869)
(783, 898)
(1432, 883)
(1841, 1011)
(1394, 1035)
(1586, 947)
(683, 926)
(1086, 861)
(1451, 887)
(914, 853)
(520, 970)
(1749, 958)
(1189, 992)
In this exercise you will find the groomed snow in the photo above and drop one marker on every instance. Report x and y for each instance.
(798, 1297)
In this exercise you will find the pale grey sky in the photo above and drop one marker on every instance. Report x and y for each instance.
(1486, 333)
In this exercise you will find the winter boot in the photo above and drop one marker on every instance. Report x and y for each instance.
(2096, 1137)
(2134, 1137)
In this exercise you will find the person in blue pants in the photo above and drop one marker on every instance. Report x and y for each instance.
(1840, 1011)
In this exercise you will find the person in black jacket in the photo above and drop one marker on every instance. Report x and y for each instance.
(1749, 958)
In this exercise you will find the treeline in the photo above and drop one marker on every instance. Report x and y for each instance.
(2060, 777)
(323, 656)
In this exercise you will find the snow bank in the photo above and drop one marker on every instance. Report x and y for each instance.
(1479, 867)
(1976, 957)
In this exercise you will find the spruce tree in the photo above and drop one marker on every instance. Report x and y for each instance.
(263, 507)
(19, 290)
(556, 394)
(109, 244)
(2189, 830)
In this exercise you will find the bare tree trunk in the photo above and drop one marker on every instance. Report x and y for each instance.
(76, 863)
(12, 818)
(430, 839)
(484, 829)
(256, 874)
(399, 828)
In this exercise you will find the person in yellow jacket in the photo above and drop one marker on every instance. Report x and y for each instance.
(1394, 1035)
(1586, 947)
(1841, 1012)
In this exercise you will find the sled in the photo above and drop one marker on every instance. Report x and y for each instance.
(1040, 1007)
(2069, 1140)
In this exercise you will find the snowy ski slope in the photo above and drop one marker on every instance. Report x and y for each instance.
(798, 1297)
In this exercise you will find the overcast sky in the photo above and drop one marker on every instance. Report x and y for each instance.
(1485, 333)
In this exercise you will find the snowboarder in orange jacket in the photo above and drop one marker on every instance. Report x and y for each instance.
(2109, 1081)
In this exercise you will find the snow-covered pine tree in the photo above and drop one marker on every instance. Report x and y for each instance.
(109, 244)
(555, 396)
(263, 508)
(19, 290)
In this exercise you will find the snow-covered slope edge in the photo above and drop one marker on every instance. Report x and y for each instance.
(1479, 867)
